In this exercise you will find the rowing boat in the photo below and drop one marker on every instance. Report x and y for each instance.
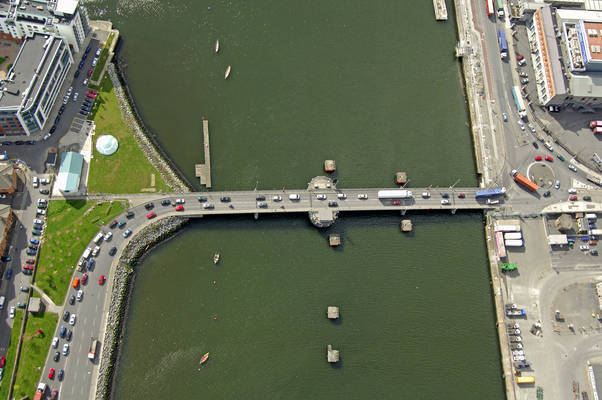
(227, 74)
(204, 358)
(217, 45)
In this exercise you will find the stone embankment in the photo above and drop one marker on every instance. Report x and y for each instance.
(122, 277)
(173, 180)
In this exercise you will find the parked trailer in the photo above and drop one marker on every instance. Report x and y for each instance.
(507, 228)
(518, 101)
(591, 216)
(524, 181)
(525, 379)
(513, 235)
(594, 124)
(500, 8)
(594, 179)
(394, 194)
(514, 243)
(501, 38)
(489, 8)
(484, 193)
(501, 249)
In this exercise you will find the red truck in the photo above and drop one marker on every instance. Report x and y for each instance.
(524, 181)
(40, 391)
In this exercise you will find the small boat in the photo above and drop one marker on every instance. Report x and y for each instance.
(227, 74)
(204, 358)
(217, 45)
(216, 257)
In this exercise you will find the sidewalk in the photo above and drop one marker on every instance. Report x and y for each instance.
(50, 306)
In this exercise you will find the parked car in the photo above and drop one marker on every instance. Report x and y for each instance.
(333, 204)
(165, 202)
(112, 251)
(72, 320)
(80, 295)
(505, 117)
(127, 233)
(573, 198)
(572, 168)
(202, 199)
(60, 376)
(151, 215)
(57, 356)
(179, 208)
(225, 199)
(9, 274)
(538, 158)
(549, 159)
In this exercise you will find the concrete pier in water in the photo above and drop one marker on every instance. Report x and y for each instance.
(203, 171)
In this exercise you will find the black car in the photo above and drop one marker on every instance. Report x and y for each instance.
(57, 355)
(66, 316)
(62, 108)
(38, 226)
(6, 143)
(149, 206)
(121, 223)
(61, 374)
(225, 199)
(202, 199)
(57, 119)
(44, 191)
(88, 49)
(546, 194)
(81, 64)
(76, 74)
(69, 333)
(19, 142)
(165, 202)
(72, 299)
(52, 128)
(260, 198)
(33, 246)
(84, 113)
(112, 251)
(30, 142)
(333, 204)
(129, 214)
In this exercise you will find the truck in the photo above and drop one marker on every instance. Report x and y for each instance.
(512, 310)
(597, 130)
(594, 124)
(40, 391)
(518, 101)
(485, 193)
(525, 379)
(489, 8)
(501, 38)
(395, 194)
(594, 179)
(93, 349)
(500, 8)
(524, 181)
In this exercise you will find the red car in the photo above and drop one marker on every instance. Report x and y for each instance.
(151, 215)
(538, 158)
(54, 395)
(179, 208)
(30, 261)
(2, 362)
(520, 57)
(84, 279)
(395, 202)
(94, 92)
(91, 96)
(101, 280)
(90, 72)
(461, 195)
(51, 373)
(572, 198)
(550, 159)
(27, 267)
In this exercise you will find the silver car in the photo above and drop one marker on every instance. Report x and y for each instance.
(66, 349)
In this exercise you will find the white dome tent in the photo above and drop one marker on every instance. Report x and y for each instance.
(107, 145)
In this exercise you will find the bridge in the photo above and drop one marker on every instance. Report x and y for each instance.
(323, 211)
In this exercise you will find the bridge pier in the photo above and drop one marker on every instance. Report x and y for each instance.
(256, 216)
(453, 211)
(404, 211)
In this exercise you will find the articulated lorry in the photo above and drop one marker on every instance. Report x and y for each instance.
(40, 391)
(524, 181)
(485, 193)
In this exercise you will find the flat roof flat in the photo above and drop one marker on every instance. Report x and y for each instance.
(66, 6)
(593, 37)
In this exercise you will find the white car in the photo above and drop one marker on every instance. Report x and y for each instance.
(548, 146)
(572, 191)
(55, 342)
(70, 90)
(584, 247)
(85, 82)
(277, 198)
(557, 185)
(522, 126)
(128, 232)
(94, 62)
(572, 168)
(44, 181)
(426, 195)
(342, 196)
(362, 196)
(505, 117)
(98, 51)
(80, 295)
(321, 196)
(75, 96)
(72, 320)
(444, 202)
(41, 211)
(95, 251)
(180, 201)
(108, 236)
(47, 136)
(12, 313)
(38, 221)
(66, 349)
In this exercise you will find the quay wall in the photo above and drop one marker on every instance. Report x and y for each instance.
(121, 278)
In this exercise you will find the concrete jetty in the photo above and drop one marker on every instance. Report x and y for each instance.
(203, 171)
(330, 166)
(334, 239)
(406, 225)
(333, 355)
(440, 10)
(333, 312)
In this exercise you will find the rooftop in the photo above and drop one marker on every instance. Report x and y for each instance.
(593, 39)
(69, 172)
(586, 85)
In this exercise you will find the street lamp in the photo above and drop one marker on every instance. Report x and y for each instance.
(458, 181)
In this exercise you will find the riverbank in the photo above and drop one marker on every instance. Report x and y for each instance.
(122, 278)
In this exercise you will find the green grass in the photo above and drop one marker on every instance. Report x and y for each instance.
(67, 234)
(33, 353)
(102, 59)
(127, 170)
(11, 353)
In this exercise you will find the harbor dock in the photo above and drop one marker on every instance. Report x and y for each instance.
(330, 166)
(203, 171)
(334, 239)
(333, 355)
(440, 10)
(401, 178)
(406, 225)
(333, 312)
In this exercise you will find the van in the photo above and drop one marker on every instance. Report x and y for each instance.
(86, 253)
(2, 300)
(489, 201)
(99, 236)
(294, 197)
(34, 181)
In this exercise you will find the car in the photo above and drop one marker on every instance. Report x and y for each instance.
(444, 202)
(593, 252)
(91, 96)
(70, 90)
(534, 143)
(395, 202)
(520, 57)
(262, 204)
(362, 196)
(208, 206)
(2, 362)
(276, 198)
(560, 157)
(98, 51)
(80, 65)
(40, 211)
(76, 74)
(69, 334)
(180, 201)
(584, 247)
(66, 316)
(557, 185)
(538, 158)
(75, 96)
(151, 215)
(44, 191)
(321, 196)
(101, 280)
(585, 238)
(34, 241)
(52, 129)
(113, 251)
(55, 342)
(85, 82)
(341, 196)
(9, 274)
(84, 113)
(547, 194)
(94, 62)
(333, 204)
(426, 195)
(62, 331)
(57, 356)
(505, 117)
(149, 206)
(84, 279)
(179, 208)
(30, 252)
(66, 349)
(548, 146)
(524, 81)
(113, 224)
(522, 126)
(20, 142)
(80, 295)
(573, 198)
(88, 49)
(523, 74)
(572, 168)
(225, 199)
(549, 159)
(461, 195)
(108, 236)
(72, 320)
(46, 137)
(587, 198)
(165, 202)
(60, 376)
(24, 289)
(127, 233)
(20, 305)
(90, 71)
(72, 299)
(260, 198)
(572, 191)
(75, 283)
(202, 199)
(92, 91)
(51, 373)
(12, 312)
(121, 224)
(445, 195)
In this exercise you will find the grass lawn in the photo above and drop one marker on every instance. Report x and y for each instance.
(33, 353)
(127, 170)
(71, 226)
(11, 353)
(102, 59)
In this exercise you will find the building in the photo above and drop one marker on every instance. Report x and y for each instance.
(32, 85)
(8, 179)
(6, 223)
(20, 19)
(70, 170)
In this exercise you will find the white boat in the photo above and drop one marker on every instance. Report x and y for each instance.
(227, 74)
(217, 45)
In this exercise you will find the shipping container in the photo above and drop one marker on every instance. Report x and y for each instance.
(513, 243)
(518, 101)
(489, 7)
(501, 249)
(594, 124)
(525, 379)
(513, 235)
(524, 181)
(507, 228)
(394, 194)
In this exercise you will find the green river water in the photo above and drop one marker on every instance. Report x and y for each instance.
(373, 85)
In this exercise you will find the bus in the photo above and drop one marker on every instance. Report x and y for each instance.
(93, 349)
(500, 8)
(489, 8)
(518, 100)
(501, 38)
